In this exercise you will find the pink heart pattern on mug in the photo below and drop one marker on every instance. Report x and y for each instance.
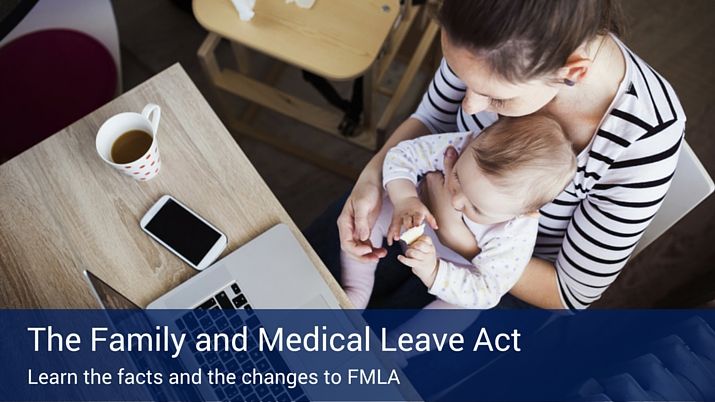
(145, 168)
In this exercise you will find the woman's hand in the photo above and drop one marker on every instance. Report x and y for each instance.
(363, 206)
(357, 219)
(453, 232)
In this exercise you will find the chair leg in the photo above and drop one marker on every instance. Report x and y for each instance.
(240, 54)
(416, 61)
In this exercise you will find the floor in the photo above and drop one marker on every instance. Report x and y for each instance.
(674, 37)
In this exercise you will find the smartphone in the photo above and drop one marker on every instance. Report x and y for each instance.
(183, 232)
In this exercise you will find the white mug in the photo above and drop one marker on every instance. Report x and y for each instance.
(145, 167)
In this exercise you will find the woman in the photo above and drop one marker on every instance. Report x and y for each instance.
(561, 58)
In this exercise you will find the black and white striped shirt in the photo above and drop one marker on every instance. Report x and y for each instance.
(590, 230)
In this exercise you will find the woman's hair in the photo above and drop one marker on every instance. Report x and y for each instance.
(527, 156)
(524, 39)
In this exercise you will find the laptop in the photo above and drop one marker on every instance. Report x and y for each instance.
(271, 271)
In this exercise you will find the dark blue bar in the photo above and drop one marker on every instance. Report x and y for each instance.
(520, 355)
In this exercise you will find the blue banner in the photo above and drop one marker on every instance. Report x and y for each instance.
(291, 355)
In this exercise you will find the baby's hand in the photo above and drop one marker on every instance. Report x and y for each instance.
(409, 212)
(421, 256)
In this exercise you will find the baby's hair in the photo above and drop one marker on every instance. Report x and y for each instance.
(527, 155)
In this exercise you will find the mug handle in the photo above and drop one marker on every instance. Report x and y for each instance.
(152, 112)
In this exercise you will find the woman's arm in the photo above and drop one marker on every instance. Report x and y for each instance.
(606, 226)
(538, 285)
(363, 205)
(436, 113)
(602, 233)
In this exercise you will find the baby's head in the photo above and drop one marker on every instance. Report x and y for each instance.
(513, 168)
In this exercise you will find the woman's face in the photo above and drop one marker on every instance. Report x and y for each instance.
(487, 91)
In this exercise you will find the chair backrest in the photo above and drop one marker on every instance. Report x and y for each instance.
(92, 17)
(691, 185)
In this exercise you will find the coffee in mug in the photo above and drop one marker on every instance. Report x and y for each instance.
(130, 146)
(128, 143)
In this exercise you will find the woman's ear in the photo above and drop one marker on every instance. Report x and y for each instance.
(575, 69)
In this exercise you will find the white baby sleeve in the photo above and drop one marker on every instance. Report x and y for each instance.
(412, 158)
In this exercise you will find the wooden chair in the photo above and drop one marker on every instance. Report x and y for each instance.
(409, 16)
(314, 48)
(92, 17)
(60, 62)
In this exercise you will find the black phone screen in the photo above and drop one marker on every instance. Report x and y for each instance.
(183, 232)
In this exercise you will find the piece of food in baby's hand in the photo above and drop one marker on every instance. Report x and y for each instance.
(413, 234)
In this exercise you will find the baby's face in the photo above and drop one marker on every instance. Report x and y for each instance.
(477, 197)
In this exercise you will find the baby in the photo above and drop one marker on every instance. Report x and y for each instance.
(501, 179)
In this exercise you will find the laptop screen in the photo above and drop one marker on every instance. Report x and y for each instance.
(107, 296)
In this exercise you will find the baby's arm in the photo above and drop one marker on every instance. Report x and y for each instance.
(413, 158)
(493, 272)
(403, 164)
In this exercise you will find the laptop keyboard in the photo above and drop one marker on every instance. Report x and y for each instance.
(230, 300)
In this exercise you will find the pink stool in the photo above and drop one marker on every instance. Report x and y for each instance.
(49, 79)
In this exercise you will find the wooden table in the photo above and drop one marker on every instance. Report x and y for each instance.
(336, 39)
(63, 210)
